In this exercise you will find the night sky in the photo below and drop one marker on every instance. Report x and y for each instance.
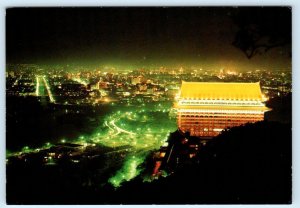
(143, 37)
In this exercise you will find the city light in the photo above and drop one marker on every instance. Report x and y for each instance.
(80, 81)
(37, 86)
(103, 103)
(48, 90)
(139, 125)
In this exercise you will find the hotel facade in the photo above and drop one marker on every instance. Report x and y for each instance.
(206, 108)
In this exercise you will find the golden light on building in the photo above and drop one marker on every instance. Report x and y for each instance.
(206, 108)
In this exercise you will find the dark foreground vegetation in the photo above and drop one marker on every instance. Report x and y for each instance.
(249, 164)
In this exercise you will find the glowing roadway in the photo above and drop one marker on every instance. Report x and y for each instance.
(44, 83)
(112, 126)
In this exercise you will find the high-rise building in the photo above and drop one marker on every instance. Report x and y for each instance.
(206, 108)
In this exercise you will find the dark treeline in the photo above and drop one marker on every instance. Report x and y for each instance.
(249, 164)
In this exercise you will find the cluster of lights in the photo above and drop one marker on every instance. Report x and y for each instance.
(221, 111)
(222, 99)
(220, 102)
(37, 86)
(80, 81)
(120, 130)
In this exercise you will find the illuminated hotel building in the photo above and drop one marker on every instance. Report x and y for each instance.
(206, 108)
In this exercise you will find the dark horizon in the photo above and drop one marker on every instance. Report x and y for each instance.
(141, 37)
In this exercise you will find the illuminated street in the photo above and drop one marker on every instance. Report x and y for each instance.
(43, 88)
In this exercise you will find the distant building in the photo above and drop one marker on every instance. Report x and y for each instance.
(206, 108)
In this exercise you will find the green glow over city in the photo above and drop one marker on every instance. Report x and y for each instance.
(137, 128)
